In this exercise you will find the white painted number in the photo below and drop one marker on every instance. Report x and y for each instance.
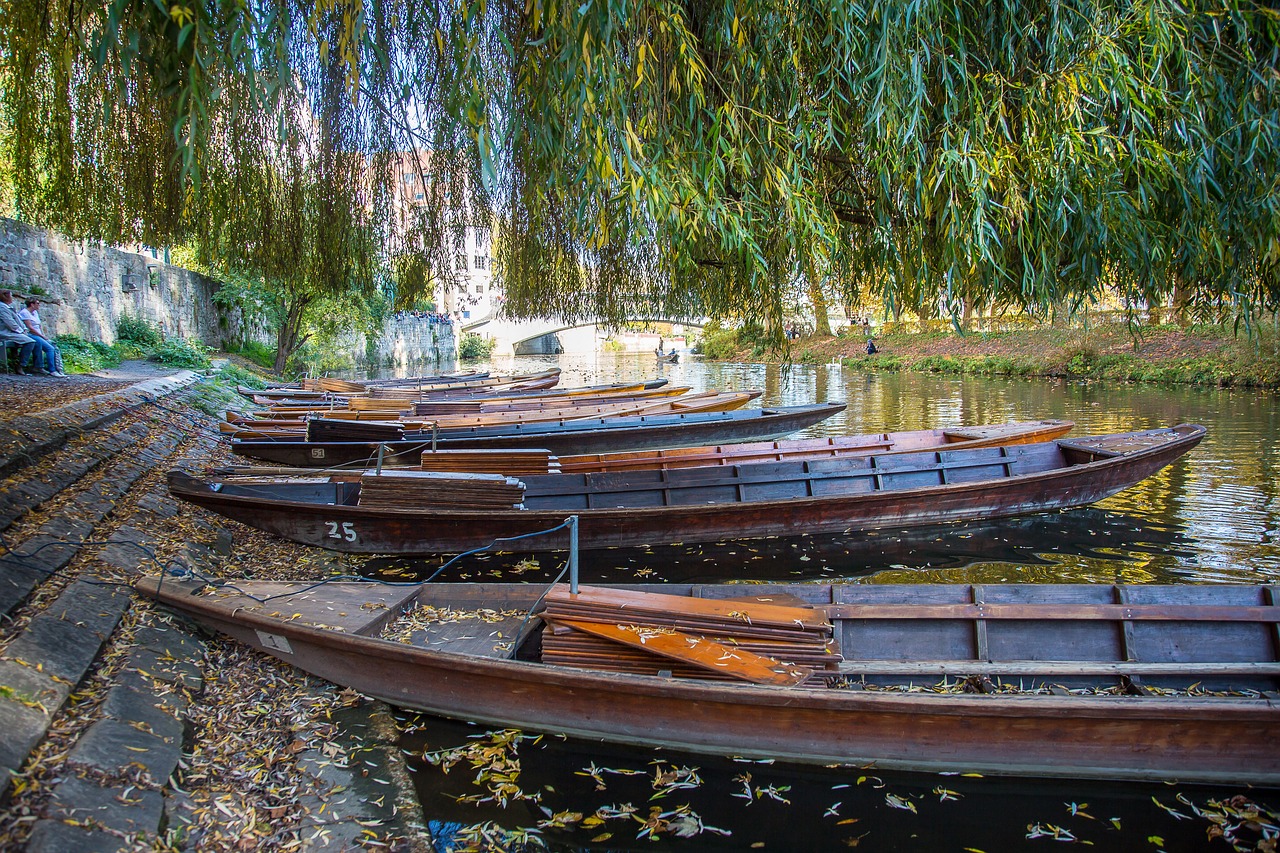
(347, 531)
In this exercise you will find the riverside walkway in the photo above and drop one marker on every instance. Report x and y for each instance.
(108, 704)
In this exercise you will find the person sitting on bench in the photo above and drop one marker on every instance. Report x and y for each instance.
(13, 331)
(30, 316)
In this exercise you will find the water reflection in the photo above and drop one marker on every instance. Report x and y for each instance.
(1222, 498)
(1032, 549)
(719, 803)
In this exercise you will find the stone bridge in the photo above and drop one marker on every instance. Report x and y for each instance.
(510, 334)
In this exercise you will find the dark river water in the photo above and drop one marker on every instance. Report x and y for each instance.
(1211, 517)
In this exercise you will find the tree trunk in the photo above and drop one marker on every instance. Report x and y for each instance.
(821, 322)
(289, 336)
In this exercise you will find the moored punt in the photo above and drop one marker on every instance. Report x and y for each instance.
(325, 387)
(528, 382)
(702, 401)
(1078, 681)
(579, 435)
(830, 447)
(711, 503)
(392, 425)
(484, 398)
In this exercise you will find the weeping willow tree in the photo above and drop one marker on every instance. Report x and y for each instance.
(661, 158)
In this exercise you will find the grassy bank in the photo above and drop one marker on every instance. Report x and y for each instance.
(1194, 355)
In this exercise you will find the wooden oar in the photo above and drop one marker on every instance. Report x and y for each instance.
(697, 651)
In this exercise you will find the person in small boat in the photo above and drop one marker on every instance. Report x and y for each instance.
(871, 347)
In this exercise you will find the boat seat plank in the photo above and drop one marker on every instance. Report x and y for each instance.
(349, 607)
(698, 651)
(1116, 612)
(1015, 668)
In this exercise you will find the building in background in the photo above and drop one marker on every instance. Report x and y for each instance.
(474, 296)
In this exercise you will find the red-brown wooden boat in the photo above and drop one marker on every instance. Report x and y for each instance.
(576, 435)
(517, 462)
(705, 504)
(1084, 681)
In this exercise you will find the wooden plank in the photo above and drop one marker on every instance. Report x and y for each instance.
(351, 607)
(1116, 612)
(698, 651)
(979, 625)
(1128, 643)
(1058, 668)
(720, 609)
(1272, 599)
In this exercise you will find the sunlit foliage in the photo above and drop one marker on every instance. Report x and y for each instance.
(648, 157)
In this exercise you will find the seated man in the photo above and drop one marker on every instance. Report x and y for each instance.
(871, 347)
(30, 316)
(13, 331)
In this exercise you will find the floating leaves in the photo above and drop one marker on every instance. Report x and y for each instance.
(894, 801)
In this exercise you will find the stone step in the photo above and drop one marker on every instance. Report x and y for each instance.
(138, 738)
(46, 661)
(59, 539)
(29, 438)
(63, 469)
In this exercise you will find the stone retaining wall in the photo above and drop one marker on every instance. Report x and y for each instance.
(411, 340)
(87, 286)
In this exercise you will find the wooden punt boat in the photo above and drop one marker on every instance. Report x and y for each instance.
(528, 382)
(705, 504)
(326, 387)
(310, 387)
(589, 435)
(1169, 683)
(830, 447)
(431, 404)
(669, 358)
(690, 401)
(395, 425)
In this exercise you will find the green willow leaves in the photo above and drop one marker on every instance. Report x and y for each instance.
(646, 157)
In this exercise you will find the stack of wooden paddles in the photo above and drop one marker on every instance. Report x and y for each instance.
(409, 489)
(754, 639)
(513, 463)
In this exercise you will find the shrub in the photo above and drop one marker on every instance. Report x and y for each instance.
(236, 375)
(718, 343)
(182, 352)
(137, 331)
(474, 347)
(81, 356)
(257, 352)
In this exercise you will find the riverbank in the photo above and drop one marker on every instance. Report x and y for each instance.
(126, 728)
(1193, 355)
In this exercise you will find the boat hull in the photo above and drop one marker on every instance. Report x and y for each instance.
(367, 530)
(1200, 739)
(633, 433)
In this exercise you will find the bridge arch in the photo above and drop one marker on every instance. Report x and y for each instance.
(509, 334)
